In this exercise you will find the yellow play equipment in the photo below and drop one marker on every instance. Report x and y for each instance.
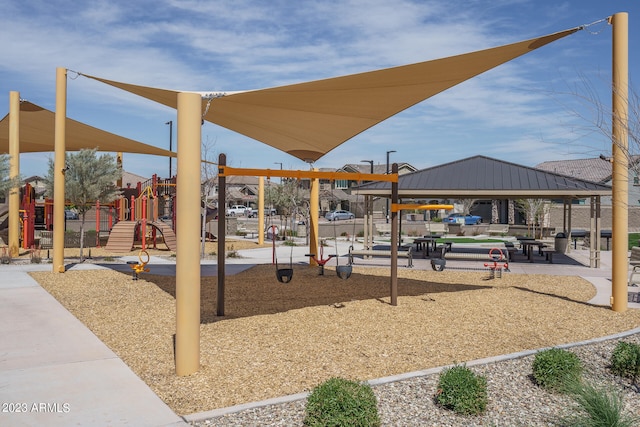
(141, 266)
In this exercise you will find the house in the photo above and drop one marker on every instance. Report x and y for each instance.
(598, 170)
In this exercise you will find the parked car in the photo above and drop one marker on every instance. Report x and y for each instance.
(337, 215)
(458, 218)
(238, 210)
(267, 212)
(71, 215)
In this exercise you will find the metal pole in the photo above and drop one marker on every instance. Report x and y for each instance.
(620, 150)
(170, 123)
(59, 169)
(388, 152)
(279, 163)
(371, 163)
(222, 231)
(187, 351)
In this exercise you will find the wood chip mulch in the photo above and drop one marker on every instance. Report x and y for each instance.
(281, 339)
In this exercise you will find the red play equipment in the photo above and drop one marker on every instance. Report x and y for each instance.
(495, 269)
(137, 215)
(321, 261)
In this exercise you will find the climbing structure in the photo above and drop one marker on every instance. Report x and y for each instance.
(138, 217)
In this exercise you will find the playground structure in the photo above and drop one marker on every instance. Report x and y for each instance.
(126, 220)
(137, 214)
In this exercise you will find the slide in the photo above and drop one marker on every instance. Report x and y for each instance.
(168, 235)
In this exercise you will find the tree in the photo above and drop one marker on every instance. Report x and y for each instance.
(288, 199)
(208, 172)
(596, 116)
(534, 211)
(88, 178)
(5, 182)
(467, 204)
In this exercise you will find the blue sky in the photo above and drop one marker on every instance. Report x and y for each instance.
(522, 111)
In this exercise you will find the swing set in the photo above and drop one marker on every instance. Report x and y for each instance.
(284, 275)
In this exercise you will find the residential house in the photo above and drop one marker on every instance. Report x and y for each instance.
(598, 170)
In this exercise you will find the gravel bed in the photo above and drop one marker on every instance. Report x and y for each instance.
(514, 399)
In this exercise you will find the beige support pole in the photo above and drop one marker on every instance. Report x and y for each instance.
(59, 168)
(187, 341)
(314, 210)
(620, 151)
(14, 172)
(261, 210)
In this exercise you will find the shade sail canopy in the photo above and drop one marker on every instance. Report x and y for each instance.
(308, 120)
(37, 134)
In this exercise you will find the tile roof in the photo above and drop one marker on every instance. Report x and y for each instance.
(594, 170)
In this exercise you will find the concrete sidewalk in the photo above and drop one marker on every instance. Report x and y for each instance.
(56, 372)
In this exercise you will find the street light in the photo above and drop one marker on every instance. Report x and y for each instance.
(370, 162)
(279, 163)
(170, 123)
(388, 152)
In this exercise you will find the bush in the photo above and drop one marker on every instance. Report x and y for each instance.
(340, 402)
(598, 407)
(462, 391)
(556, 369)
(625, 360)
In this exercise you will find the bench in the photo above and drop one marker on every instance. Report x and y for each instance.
(248, 228)
(548, 253)
(634, 263)
(437, 228)
(439, 261)
(383, 228)
(498, 229)
(402, 253)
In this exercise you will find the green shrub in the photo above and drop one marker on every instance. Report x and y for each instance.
(462, 391)
(340, 402)
(556, 369)
(597, 407)
(625, 360)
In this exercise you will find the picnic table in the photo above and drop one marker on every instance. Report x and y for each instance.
(426, 244)
(528, 245)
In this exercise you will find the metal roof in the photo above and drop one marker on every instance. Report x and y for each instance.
(484, 177)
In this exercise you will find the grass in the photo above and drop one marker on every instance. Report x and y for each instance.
(633, 239)
(598, 407)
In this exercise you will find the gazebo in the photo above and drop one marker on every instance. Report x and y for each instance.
(482, 177)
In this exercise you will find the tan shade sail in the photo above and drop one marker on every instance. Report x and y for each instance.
(37, 134)
(308, 120)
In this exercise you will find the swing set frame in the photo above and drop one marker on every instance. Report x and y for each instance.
(225, 171)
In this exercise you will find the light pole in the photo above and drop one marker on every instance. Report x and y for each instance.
(370, 162)
(170, 123)
(388, 152)
(279, 163)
